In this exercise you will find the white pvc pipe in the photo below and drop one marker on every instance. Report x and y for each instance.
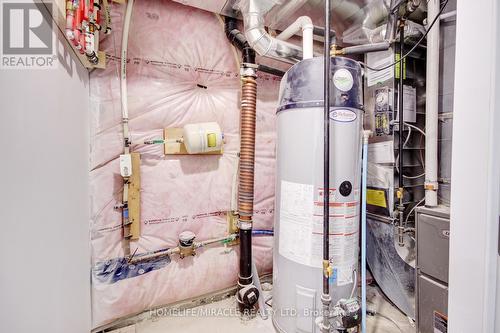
(303, 23)
(366, 134)
(449, 14)
(123, 77)
(431, 107)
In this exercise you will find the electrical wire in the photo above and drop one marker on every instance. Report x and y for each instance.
(354, 283)
(414, 127)
(410, 126)
(413, 48)
(411, 211)
(407, 177)
(375, 313)
(407, 137)
(406, 141)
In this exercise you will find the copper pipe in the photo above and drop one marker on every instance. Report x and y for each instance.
(247, 147)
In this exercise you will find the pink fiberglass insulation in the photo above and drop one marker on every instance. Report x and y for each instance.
(182, 70)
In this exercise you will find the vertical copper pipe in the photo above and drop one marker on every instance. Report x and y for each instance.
(247, 147)
(247, 295)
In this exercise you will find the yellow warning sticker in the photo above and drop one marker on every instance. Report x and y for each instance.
(212, 139)
(376, 198)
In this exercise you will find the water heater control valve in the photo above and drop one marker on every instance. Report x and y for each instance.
(347, 313)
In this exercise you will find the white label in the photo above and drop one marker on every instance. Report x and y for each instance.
(343, 79)
(301, 229)
(379, 60)
(296, 210)
(343, 116)
(381, 152)
(409, 104)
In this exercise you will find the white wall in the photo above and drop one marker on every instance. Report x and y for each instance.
(44, 206)
(475, 170)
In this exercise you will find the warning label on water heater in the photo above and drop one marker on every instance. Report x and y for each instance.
(301, 229)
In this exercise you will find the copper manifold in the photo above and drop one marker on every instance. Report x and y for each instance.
(247, 147)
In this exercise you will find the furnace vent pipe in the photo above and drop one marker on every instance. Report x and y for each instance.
(305, 24)
(253, 12)
(431, 108)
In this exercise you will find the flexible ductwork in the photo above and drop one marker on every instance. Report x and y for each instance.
(264, 44)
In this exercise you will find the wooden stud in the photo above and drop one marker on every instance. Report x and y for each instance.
(134, 197)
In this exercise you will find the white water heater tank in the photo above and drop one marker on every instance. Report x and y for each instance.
(298, 247)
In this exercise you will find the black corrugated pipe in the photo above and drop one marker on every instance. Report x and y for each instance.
(238, 39)
(325, 297)
(247, 295)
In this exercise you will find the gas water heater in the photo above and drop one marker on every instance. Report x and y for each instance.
(298, 272)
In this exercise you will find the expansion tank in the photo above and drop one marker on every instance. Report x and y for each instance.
(299, 190)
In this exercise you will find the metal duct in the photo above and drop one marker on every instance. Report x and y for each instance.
(354, 21)
(264, 44)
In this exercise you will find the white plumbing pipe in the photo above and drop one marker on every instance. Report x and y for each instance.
(431, 107)
(126, 135)
(449, 14)
(305, 24)
(366, 135)
(123, 73)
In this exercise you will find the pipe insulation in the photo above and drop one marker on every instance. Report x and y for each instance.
(431, 107)
(253, 12)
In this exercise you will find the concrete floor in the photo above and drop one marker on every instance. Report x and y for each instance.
(220, 317)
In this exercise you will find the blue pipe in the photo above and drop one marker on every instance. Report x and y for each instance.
(363, 232)
(262, 232)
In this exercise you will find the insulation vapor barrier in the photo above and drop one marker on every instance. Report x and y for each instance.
(181, 69)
